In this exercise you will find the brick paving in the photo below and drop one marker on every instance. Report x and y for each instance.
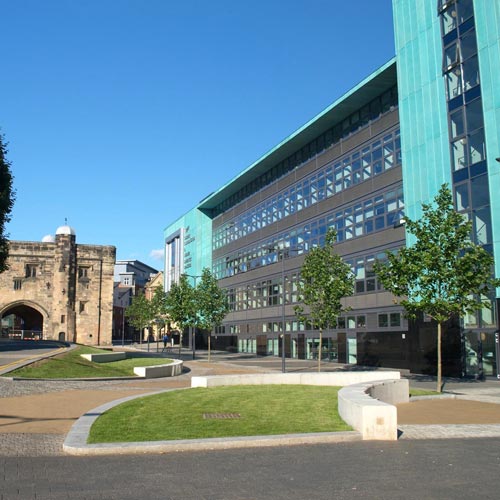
(31, 445)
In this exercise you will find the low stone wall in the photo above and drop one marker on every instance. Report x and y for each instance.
(310, 378)
(170, 370)
(376, 419)
(105, 357)
(156, 371)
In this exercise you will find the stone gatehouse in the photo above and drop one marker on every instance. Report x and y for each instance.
(59, 290)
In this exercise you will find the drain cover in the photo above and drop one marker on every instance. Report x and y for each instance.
(221, 416)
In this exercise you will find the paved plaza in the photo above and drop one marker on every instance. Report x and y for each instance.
(36, 415)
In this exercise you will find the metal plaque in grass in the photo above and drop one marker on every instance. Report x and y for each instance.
(221, 416)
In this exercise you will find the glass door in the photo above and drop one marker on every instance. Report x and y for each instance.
(352, 351)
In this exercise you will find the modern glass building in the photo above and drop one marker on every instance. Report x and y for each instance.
(431, 115)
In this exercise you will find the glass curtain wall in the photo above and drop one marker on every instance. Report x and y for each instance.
(468, 153)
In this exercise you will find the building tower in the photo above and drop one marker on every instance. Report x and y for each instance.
(64, 283)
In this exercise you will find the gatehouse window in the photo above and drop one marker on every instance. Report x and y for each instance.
(83, 273)
(30, 270)
(18, 283)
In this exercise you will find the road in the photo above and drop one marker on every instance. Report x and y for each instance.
(12, 351)
(437, 469)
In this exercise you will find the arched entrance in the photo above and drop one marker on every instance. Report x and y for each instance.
(21, 321)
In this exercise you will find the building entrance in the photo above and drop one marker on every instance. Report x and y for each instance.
(480, 354)
(22, 322)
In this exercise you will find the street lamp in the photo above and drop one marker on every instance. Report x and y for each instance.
(193, 328)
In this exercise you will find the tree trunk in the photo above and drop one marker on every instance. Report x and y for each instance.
(209, 336)
(320, 350)
(439, 368)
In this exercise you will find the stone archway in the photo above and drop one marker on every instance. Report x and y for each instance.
(24, 320)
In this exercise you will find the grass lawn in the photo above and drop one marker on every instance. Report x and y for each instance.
(263, 410)
(422, 392)
(72, 365)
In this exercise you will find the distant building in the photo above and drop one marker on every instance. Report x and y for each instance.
(58, 289)
(152, 285)
(130, 278)
(133, 273)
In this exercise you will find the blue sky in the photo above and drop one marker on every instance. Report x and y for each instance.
(122, 114)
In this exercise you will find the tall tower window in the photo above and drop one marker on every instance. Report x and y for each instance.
(30, 270)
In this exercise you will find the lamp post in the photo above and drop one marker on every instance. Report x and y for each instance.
(283, 298)
(123, 326)
(193, 328)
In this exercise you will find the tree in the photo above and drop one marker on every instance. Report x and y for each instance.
(212, 304)
(139, 313)
(324, 280)
(442, 274)
(7, 197)
(181, 305)
(158, 306)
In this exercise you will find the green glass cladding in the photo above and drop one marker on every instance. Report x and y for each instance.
(487, 18)
(425, 139)
(197, 251)
(422, 102)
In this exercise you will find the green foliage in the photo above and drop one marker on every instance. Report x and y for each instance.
(443, 273)
(7, 197)
(179, 414)
(324, 280)
(140, 312)
(211, 301)
(180, 303)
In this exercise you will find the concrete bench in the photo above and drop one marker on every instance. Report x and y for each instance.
(368, 407)
(339, 379)
(156, 371)
(105, 357)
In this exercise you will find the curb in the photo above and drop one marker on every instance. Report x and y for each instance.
(76, 440)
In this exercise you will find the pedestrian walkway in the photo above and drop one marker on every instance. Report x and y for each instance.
(448, 431)
(37, 414)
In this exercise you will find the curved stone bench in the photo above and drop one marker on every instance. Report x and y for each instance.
(156, 371)
(304, 378)
(368, 407)
(365, 401)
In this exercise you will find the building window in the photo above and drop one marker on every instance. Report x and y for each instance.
(82, 307)
(383, 321)
(395, 319)
(126, 281)
(83, 273)
(30, 270)
(63, 319)
(365, 162)
(18, 283)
